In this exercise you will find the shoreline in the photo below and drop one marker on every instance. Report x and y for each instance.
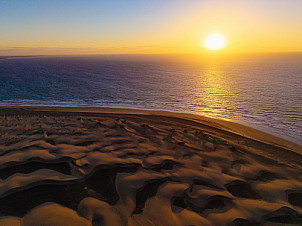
(267, 129)
(228, 125)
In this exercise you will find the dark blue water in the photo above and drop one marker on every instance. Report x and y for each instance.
(263, 91)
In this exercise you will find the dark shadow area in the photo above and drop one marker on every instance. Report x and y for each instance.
(165, 165)
(264, 175)
(284, 215)
(217, 202)
(149, 190)
(241, 222)
(62, 167)
(180, 202)
(242, 189)
(295, 198)
(100, 185)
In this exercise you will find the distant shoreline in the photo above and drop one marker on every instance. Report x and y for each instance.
(8, 57)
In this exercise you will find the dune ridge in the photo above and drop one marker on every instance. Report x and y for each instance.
(106, 166)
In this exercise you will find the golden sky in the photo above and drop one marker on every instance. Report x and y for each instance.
(148, 27)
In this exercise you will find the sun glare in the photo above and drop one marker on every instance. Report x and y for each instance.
(214, 42)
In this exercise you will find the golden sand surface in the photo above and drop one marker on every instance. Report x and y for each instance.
(110, 166)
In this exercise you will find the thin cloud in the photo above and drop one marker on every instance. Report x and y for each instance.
(22, 50)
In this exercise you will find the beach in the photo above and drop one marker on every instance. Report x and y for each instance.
(118, 166)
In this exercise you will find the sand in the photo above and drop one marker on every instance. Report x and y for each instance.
(106, 166)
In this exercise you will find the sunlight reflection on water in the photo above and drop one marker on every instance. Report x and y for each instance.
(261, 91)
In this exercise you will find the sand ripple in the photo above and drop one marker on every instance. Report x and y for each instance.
(115, 169)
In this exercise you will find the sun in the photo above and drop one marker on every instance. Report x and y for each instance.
(214, 42)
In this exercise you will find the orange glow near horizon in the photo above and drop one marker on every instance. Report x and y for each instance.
(128, 27)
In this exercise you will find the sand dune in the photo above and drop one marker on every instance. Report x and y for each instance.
(96, 166)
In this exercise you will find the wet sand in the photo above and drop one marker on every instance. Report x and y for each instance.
(96, 166)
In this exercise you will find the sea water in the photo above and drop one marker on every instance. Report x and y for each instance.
(263, 91)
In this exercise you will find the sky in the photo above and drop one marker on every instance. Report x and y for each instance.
(56, 27)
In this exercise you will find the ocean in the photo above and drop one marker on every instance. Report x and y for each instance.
(263, 91)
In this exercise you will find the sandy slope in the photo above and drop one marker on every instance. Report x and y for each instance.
(97, 166)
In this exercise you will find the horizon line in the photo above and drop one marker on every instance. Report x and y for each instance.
(108, 54)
